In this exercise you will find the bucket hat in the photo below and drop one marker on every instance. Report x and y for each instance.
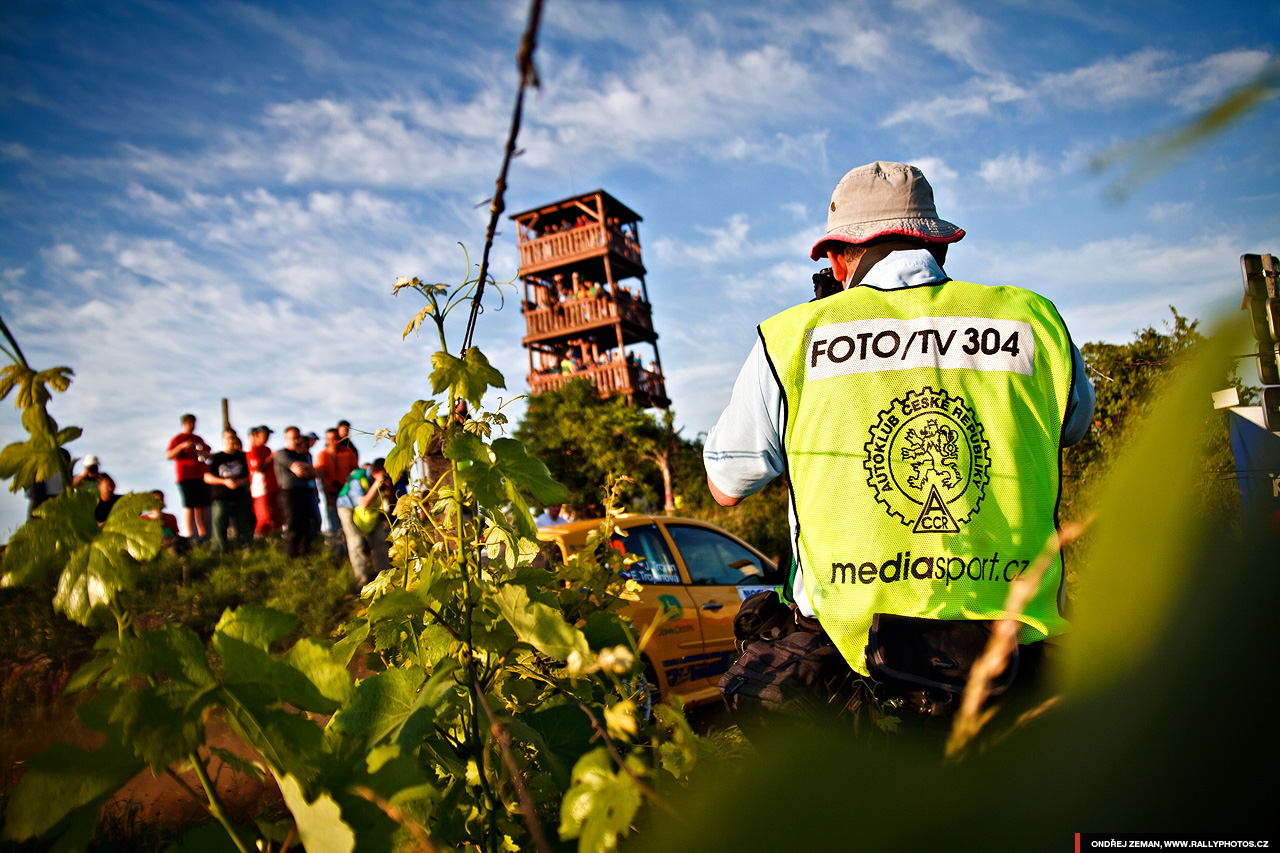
(884, 198)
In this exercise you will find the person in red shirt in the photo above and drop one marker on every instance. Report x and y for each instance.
(263, 486)
(188, 452)
(334, 463)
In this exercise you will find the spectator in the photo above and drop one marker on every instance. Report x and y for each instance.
(316, 518)
(551, 515)
(297, 490)
(169, 537)
(344, 433)
(334, 463)
(228, 475)
(88, 473)
(107, 498)
(43, 490)
(362, 503)
(188, 452)
(263, 487)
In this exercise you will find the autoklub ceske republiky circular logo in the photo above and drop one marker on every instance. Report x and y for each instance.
(927, 460)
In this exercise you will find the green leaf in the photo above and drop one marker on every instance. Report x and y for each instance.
(316, 662)
(236, 763)
(81, 826)
(599, 805)
(256, 625)
(538, 625)
(37, 458)
(530, 474)
(287, 680)
(88, 674)
(60, 779)
(381, 706)
(468, 377)
(345, 649)
(605, 630)
(126, 529)
(60, 526)
(287, 743)
(413, 437)
(107, 561)
(159, 723)
(396, 605)
(91, 580)
(475, 469)
(1135, 578)
(320, 825)
(174, 650)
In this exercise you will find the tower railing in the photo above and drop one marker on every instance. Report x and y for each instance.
(610, 378)
(587, 312)
(583, 240)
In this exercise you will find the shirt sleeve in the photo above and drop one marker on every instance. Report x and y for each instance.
(744, 450)
(1080, 406)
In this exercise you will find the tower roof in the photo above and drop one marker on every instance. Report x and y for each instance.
(615, 207)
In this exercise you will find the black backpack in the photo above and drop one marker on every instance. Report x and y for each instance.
(788, 668)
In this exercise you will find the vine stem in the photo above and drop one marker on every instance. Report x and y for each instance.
(397, 814)
(528, 77)
(526, 803)
(617, 758)
(21, 359)
(215, 805)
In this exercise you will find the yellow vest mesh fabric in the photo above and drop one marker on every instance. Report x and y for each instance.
(922, 446)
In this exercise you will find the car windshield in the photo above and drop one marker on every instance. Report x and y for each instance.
(655, 564)
(713, 558)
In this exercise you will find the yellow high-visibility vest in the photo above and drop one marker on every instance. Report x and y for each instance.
(921, 439)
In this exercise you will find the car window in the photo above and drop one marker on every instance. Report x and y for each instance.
(655, 564)
(713, 558)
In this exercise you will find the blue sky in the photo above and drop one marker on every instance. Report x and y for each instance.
(205, 200)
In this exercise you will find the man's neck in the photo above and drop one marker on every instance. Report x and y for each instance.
(904, 268)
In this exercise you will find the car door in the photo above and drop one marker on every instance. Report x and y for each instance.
(675, 648)
(717, 566)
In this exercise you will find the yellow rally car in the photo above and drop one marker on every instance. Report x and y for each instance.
(696, 571)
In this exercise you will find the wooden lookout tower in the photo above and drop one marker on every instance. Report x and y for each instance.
(581, 319)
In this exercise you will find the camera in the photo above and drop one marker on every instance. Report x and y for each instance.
(825, 284)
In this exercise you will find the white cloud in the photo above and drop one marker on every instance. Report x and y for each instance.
(803, 152)
(943, 179)
(950, 29)
(983, 93)
(681, 91)
(1162, 211)
(1013, 173)
(1142, 74)
(732, 243)
(1106, 289)
(62, 255)
(1214, 76)
(798, 211)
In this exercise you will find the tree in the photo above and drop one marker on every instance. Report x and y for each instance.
(1129, 380)
(584, 438)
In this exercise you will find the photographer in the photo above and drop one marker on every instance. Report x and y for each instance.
(918, 421)
(362, 505)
